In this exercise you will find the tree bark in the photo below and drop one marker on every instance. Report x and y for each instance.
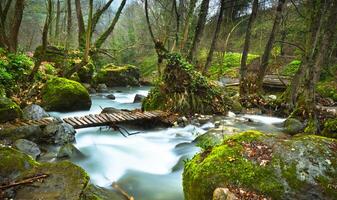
(215, 37)
(187, 23)
(99, 42)
(85, 59)
(69, 23)
(270, 43)
(80, 23)
(243, 70)
(57, 22)
(98, 15)
(45, 32)
(199, 29)
(14, 32)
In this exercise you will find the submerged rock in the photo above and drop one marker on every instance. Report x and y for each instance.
(138, 98)
(28, 147)
(60, 94)
(64, 180)
(69, 150)
(111, 96)
(303, 167)
(9, 110)
(113, 76)
(111, 110)
(34, 112)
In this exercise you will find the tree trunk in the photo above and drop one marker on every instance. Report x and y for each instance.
(45, 32)
(243, 70)
(80, 23)
(69, 23)
(270, 43)
(98, 14)
(85, 59)
(14, 32)
(99, 42)
(57, 22)
(215, 37)
(199, 29)
(187, 23)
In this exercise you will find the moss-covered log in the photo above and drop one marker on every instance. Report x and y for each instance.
(185, 90)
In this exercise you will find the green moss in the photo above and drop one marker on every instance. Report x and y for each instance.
(86, 73)
(330, 128)
(225, 166)
(291, 68)
(305, 161)
(9, 110)
(327, 89)
(14, 163)
(61, 94)
(113, 76)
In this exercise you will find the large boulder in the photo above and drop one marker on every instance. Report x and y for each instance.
(270, 166)
(9, 110)
(64, 180)
(138, 98)
(28, 147)
(60, 94)
(114, 76)
(34, 112)
(293, 126)
(330, 128)
(59, 133)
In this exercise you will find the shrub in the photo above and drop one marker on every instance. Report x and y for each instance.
(291, 68)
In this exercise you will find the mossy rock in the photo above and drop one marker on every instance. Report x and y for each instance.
(113, 76)
(186, 91)
(9, 110)
(64, 181)
(60, 94)
(303, 167)
(86, 73)
(330, 128)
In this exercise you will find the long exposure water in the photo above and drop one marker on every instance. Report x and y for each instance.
(147, 165)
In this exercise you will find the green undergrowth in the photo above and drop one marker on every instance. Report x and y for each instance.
(291, 68)
(227, 65)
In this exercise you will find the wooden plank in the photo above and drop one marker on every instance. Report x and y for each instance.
(80, 120)
(130, 115)
(68, 121)
(99, 118)
(121, 119)
(113, 115)
(87, 122)
(75, 121)
(138, 115)
(126, 116)
(89, 119)
(103, 116)
(111, 118)
(93, 118)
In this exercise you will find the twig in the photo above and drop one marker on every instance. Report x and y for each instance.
(24, 181)
(120, 190)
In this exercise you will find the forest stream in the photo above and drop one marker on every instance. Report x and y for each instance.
(147, 165)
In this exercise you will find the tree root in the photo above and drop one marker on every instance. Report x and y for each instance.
(24, 181)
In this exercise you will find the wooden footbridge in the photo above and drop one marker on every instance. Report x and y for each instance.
(96, 120)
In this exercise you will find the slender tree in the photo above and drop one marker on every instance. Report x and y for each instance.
(243, 69)
(102, 38)
(57, 21)
(215, 36)
(69, 23)
(187, 23)
(199, 29)
(45, 32)
(269, 46)
(80, 24)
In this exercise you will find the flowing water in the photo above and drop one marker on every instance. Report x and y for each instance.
(147, 165)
